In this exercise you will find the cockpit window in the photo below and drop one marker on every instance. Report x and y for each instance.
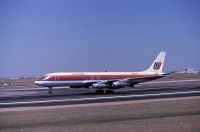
(41, 77)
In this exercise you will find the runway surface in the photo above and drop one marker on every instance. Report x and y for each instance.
(63, 96)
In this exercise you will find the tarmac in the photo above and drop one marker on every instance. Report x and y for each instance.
(169, 92)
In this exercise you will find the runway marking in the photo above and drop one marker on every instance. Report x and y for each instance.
(150, 82)
(98, 98)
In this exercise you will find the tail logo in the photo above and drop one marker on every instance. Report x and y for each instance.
(157, 65)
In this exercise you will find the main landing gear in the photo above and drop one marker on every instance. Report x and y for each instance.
(50, 90)
(104, 91)
(109, 91)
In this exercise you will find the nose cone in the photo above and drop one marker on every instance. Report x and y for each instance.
(37, 83)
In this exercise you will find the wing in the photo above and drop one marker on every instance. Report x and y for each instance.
(121, 82)
(141, 79)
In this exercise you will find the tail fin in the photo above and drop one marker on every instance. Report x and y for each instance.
(157, 65)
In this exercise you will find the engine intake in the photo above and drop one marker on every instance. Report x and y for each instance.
(99, 85)
(119, 84)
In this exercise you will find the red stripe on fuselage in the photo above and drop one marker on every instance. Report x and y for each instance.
(92, 77)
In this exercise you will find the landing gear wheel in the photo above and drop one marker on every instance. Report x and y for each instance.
(99, 91)
(109, 91)
(50, 90)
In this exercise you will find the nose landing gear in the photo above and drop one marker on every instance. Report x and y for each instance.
(50, 90)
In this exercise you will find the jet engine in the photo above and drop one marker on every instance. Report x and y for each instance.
(99, 85)
(114, 85)
(119, 84)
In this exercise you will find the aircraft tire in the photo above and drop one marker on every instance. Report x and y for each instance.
(99, 91)
(109, 91)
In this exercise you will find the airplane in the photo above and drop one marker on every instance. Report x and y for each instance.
(103, 82)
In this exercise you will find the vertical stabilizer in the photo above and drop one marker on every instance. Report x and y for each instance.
(158, 64)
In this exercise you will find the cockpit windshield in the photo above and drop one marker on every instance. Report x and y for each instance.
(41, 78)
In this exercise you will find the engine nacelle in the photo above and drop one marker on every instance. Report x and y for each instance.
(99, 85)
(119, 84)
(114, 85)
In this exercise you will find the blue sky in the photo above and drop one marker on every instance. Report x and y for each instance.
(42, 36)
